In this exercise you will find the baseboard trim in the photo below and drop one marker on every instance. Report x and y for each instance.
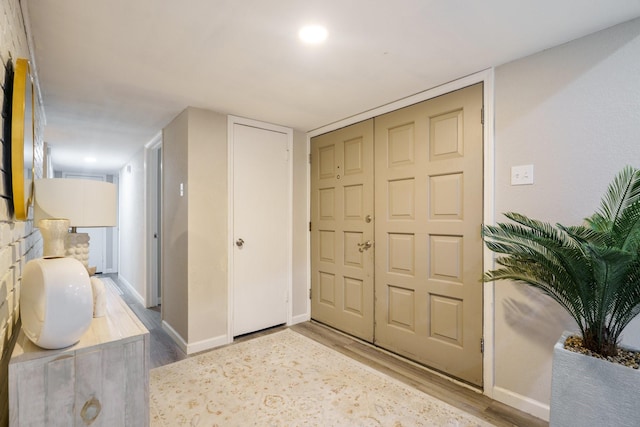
(207, 344)
(301, 318)
(133, 290)
(175, 336)
(196, 347)
(523, 403)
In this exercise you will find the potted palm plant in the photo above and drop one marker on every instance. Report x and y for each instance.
(593, 271)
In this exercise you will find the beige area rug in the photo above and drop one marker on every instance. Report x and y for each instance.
(286, 379)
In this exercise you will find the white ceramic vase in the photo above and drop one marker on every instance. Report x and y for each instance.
(56, 301)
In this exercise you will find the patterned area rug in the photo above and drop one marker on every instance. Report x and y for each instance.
(286, 379)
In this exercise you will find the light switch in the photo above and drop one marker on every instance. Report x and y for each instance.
(181, 189)
(522, 175)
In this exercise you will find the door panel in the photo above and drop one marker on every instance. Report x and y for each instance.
(342, 221)
(261, 190)
(428, 209)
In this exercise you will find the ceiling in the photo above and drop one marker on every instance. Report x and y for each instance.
(113, 73)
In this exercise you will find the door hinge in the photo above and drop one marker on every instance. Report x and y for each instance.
(482, 345)
(309, 293)
(309, 158)
(482, 115)
(309, 225)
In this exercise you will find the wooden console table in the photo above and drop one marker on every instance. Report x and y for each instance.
(103, 380)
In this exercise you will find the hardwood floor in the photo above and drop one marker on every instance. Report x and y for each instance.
(419, 377)
(165, 351)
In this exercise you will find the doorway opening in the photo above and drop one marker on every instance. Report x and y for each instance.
(153, 154)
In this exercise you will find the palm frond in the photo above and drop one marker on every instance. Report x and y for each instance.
(623, 191)
(626, 229)
(592, 270)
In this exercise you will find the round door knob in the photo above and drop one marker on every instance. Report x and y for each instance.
(239, 243)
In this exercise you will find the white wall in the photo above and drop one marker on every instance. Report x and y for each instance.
(132, 222)
(574, 113)
(19, 241)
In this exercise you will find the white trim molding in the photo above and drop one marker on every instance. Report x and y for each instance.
(195, 347)
(523, 403)
(131, 289)
(301, 318)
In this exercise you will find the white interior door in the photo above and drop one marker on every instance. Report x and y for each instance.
(261, 228)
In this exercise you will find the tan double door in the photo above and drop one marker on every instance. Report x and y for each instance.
(426, 300)
(342, 224)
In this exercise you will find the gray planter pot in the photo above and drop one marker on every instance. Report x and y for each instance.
(586, 391)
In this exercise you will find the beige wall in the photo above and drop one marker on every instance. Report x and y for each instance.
(194, 298)
(574, 113)
(19, 241)
(174, 226)
(207, 231)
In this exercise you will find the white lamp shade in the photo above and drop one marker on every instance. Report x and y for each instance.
(56, 301)
(84, 202)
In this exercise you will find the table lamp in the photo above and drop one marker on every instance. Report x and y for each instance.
(61, 203)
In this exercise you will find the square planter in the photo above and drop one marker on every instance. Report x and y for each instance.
(586, 391)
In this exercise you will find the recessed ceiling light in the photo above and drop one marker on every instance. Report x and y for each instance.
(313, 34)
(90, 159)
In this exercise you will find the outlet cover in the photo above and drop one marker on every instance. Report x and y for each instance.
(522, 175)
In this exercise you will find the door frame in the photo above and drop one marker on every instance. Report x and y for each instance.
(231, 122)
(152, 216)
(486, 77)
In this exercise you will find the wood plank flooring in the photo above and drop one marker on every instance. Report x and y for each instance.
(162, 349)
(165, 351)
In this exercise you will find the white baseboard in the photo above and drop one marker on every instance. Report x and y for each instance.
(207, 344)
(133, 290)
(523, 403)
(190, 348)
(300, 318)
(175, 336)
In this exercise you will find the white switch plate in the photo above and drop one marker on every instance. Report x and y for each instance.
(522, 175)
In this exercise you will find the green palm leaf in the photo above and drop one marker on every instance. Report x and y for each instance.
(592, 271)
